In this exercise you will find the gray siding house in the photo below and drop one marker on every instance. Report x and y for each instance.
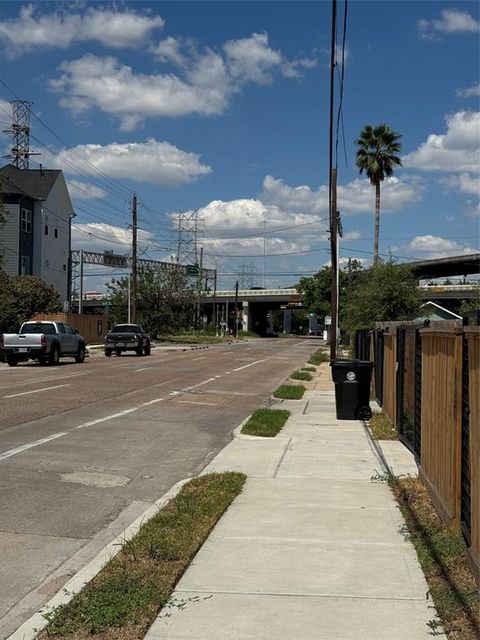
(35, 239)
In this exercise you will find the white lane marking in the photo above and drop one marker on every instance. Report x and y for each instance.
(24, 393)
(228, 372)
(143, 369)
(249, 365)
(207, 404)
(30, 445)
(24, 382)
(110, 417)
(201, 358)
(224, 352)
(147, 404)
(159, 384)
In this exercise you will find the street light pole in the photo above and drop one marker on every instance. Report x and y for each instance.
(264, 252)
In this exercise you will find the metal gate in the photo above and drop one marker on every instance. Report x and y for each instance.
(465, 504)
(409, 377)
(379, 366)
(362, 344)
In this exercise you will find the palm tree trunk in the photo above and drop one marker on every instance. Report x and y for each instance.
(377, 223)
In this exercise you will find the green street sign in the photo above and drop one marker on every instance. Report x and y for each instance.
(192, 269)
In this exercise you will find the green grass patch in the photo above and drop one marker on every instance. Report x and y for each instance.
(443, 557)
(266, 422)
(126, 596)
(189, 338)
(301, 375)
(289, 392)
(382, 428)
(308, 368)
(318, 357)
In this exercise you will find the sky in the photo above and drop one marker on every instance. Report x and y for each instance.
(223, 108)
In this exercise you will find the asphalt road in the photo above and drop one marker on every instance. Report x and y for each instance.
(85, 448)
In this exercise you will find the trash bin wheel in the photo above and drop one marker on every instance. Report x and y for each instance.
(365, 413)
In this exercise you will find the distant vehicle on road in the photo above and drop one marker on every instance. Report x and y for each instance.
(44, 341)
(127, 337)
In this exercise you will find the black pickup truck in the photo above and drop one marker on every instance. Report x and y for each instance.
(127, 337)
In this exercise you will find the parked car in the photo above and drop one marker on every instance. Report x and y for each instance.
(44, 341)
(127, 337)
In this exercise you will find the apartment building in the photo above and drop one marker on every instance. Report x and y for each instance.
(35, 238)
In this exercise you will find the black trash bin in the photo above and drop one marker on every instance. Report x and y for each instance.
(352, 388)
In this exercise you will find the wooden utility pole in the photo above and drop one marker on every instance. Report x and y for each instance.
(80, 296)
(236, 309)
(134, 258)
(332, 194)
(334, 269)
(215, 319)
(199, 289)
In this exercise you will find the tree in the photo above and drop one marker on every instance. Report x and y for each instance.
(22, 297)
(317, 290)
(165, 300)
(376, 157)
(387, 291)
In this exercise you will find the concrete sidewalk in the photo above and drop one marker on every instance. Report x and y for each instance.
(313, 549)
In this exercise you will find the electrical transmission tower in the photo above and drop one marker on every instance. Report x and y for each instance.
(246, 276)
(20, 131)
(188, 230)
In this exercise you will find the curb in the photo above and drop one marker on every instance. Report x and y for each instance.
(29, 629)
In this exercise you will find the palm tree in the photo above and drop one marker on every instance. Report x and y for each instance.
(377, 147)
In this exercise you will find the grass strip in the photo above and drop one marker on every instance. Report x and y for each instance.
(443, 557)
(301, 375)
(124, 599)
(382, 428)
(308, 368)
(266, 423)
(318, 357)
(289, 392)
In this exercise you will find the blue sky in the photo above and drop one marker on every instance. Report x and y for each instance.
(222, 107)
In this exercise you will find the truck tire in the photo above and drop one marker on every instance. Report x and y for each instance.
(54, 355)
(108, 353)
(80, 357)
(12, 361)
(139, 351)
(148, 349)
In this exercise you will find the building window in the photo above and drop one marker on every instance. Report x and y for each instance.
(64, 267)
(56, 233)
(26, 266)
(46, 229)
(26, 221)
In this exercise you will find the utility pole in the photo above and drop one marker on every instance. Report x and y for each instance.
(179, 242)
(332, 193)
(236, 309)
(134, 258)
(215, 319)
(199, 289)
(264, 250)
(80, 296)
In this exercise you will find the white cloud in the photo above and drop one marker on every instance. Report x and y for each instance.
(293, 69)
(458, 150)
(84, 190)
(104, 83)
(34, 28)
(451, 21)
(204, 84)
(354, 197)
(251, 59)
(5, 111)
(469, 92)
(151, 161)
(464, 182)
(99, 236)
(430, 247)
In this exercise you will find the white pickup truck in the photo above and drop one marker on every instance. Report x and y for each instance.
(44, 341)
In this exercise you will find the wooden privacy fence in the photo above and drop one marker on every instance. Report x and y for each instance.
(92, 327)
(427, 380)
